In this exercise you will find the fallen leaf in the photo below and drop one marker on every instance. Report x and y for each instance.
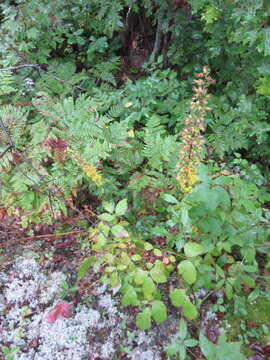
(52, 317)
(65, 310)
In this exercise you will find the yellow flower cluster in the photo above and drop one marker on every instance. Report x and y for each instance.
(88, 169)
(191, 152)
(187, 181)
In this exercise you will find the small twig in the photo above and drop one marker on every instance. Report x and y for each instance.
(54, 235)
(192, 354)
(18, 67)
(5, 151)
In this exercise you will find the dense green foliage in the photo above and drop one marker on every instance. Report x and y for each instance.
(94, 111)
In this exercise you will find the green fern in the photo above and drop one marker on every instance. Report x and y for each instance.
(104, 71)
(6, 82)
(159, 148)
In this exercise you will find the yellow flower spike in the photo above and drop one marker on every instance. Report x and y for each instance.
(88, 169)
(190, 154)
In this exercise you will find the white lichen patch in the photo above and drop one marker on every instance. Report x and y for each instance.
(30, 294)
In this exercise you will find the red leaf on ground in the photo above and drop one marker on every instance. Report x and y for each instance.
(52, 317)
(65, 310)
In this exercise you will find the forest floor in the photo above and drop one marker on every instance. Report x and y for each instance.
(38, 274)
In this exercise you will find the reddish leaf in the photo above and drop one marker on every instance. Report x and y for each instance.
(52, 317)
(266, 350)
(65, 310)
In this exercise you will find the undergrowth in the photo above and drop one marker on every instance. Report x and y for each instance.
(177, 176)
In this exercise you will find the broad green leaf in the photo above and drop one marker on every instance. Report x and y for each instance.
(119, 231)
(172, 349)
(248, 280)
(130, 297)
(159, 311)
(192, 249)
(148, 246)
(158, 272)
(170, 199)
(108, 206)
(100, 242)
(177, 297)
(190, 311)
(185, 217)
(143, 319)
(223, 196)
(85, 266)
(228, 350)
(106, 217)
(140, 276)
(207, 347)
(188, 272)
(191, 342)
(136, 257)
(121, 207)
(149, 289)
(157, 252)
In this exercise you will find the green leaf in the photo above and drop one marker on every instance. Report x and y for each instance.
(177, 297)
(108, 206)
(248, 280)
(192, 249)
(185, 217)
(149, 289)
(157, 252)
(106, 217)
(263, 87)
(130, 297)
(188, 271)
(143, 319)
(190, 311)
(136, 257)
(148, 246)
(100, 243)
(207, 347)
(172, 349)
(121, 207)
(226, 350)
(85, 266)
(159, 311)
(182, 351)
(158, 272)
(267, 40)
(210, 14)
(140, 276)
(223, 196)
(229, 291)
(182, 329)
(119, 231)
(191, 342)
(170, 199)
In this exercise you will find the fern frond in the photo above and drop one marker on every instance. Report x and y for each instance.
(105, 70)
(6, 82)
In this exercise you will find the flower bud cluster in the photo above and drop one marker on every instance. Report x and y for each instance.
(88, 169)
(192, 141)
